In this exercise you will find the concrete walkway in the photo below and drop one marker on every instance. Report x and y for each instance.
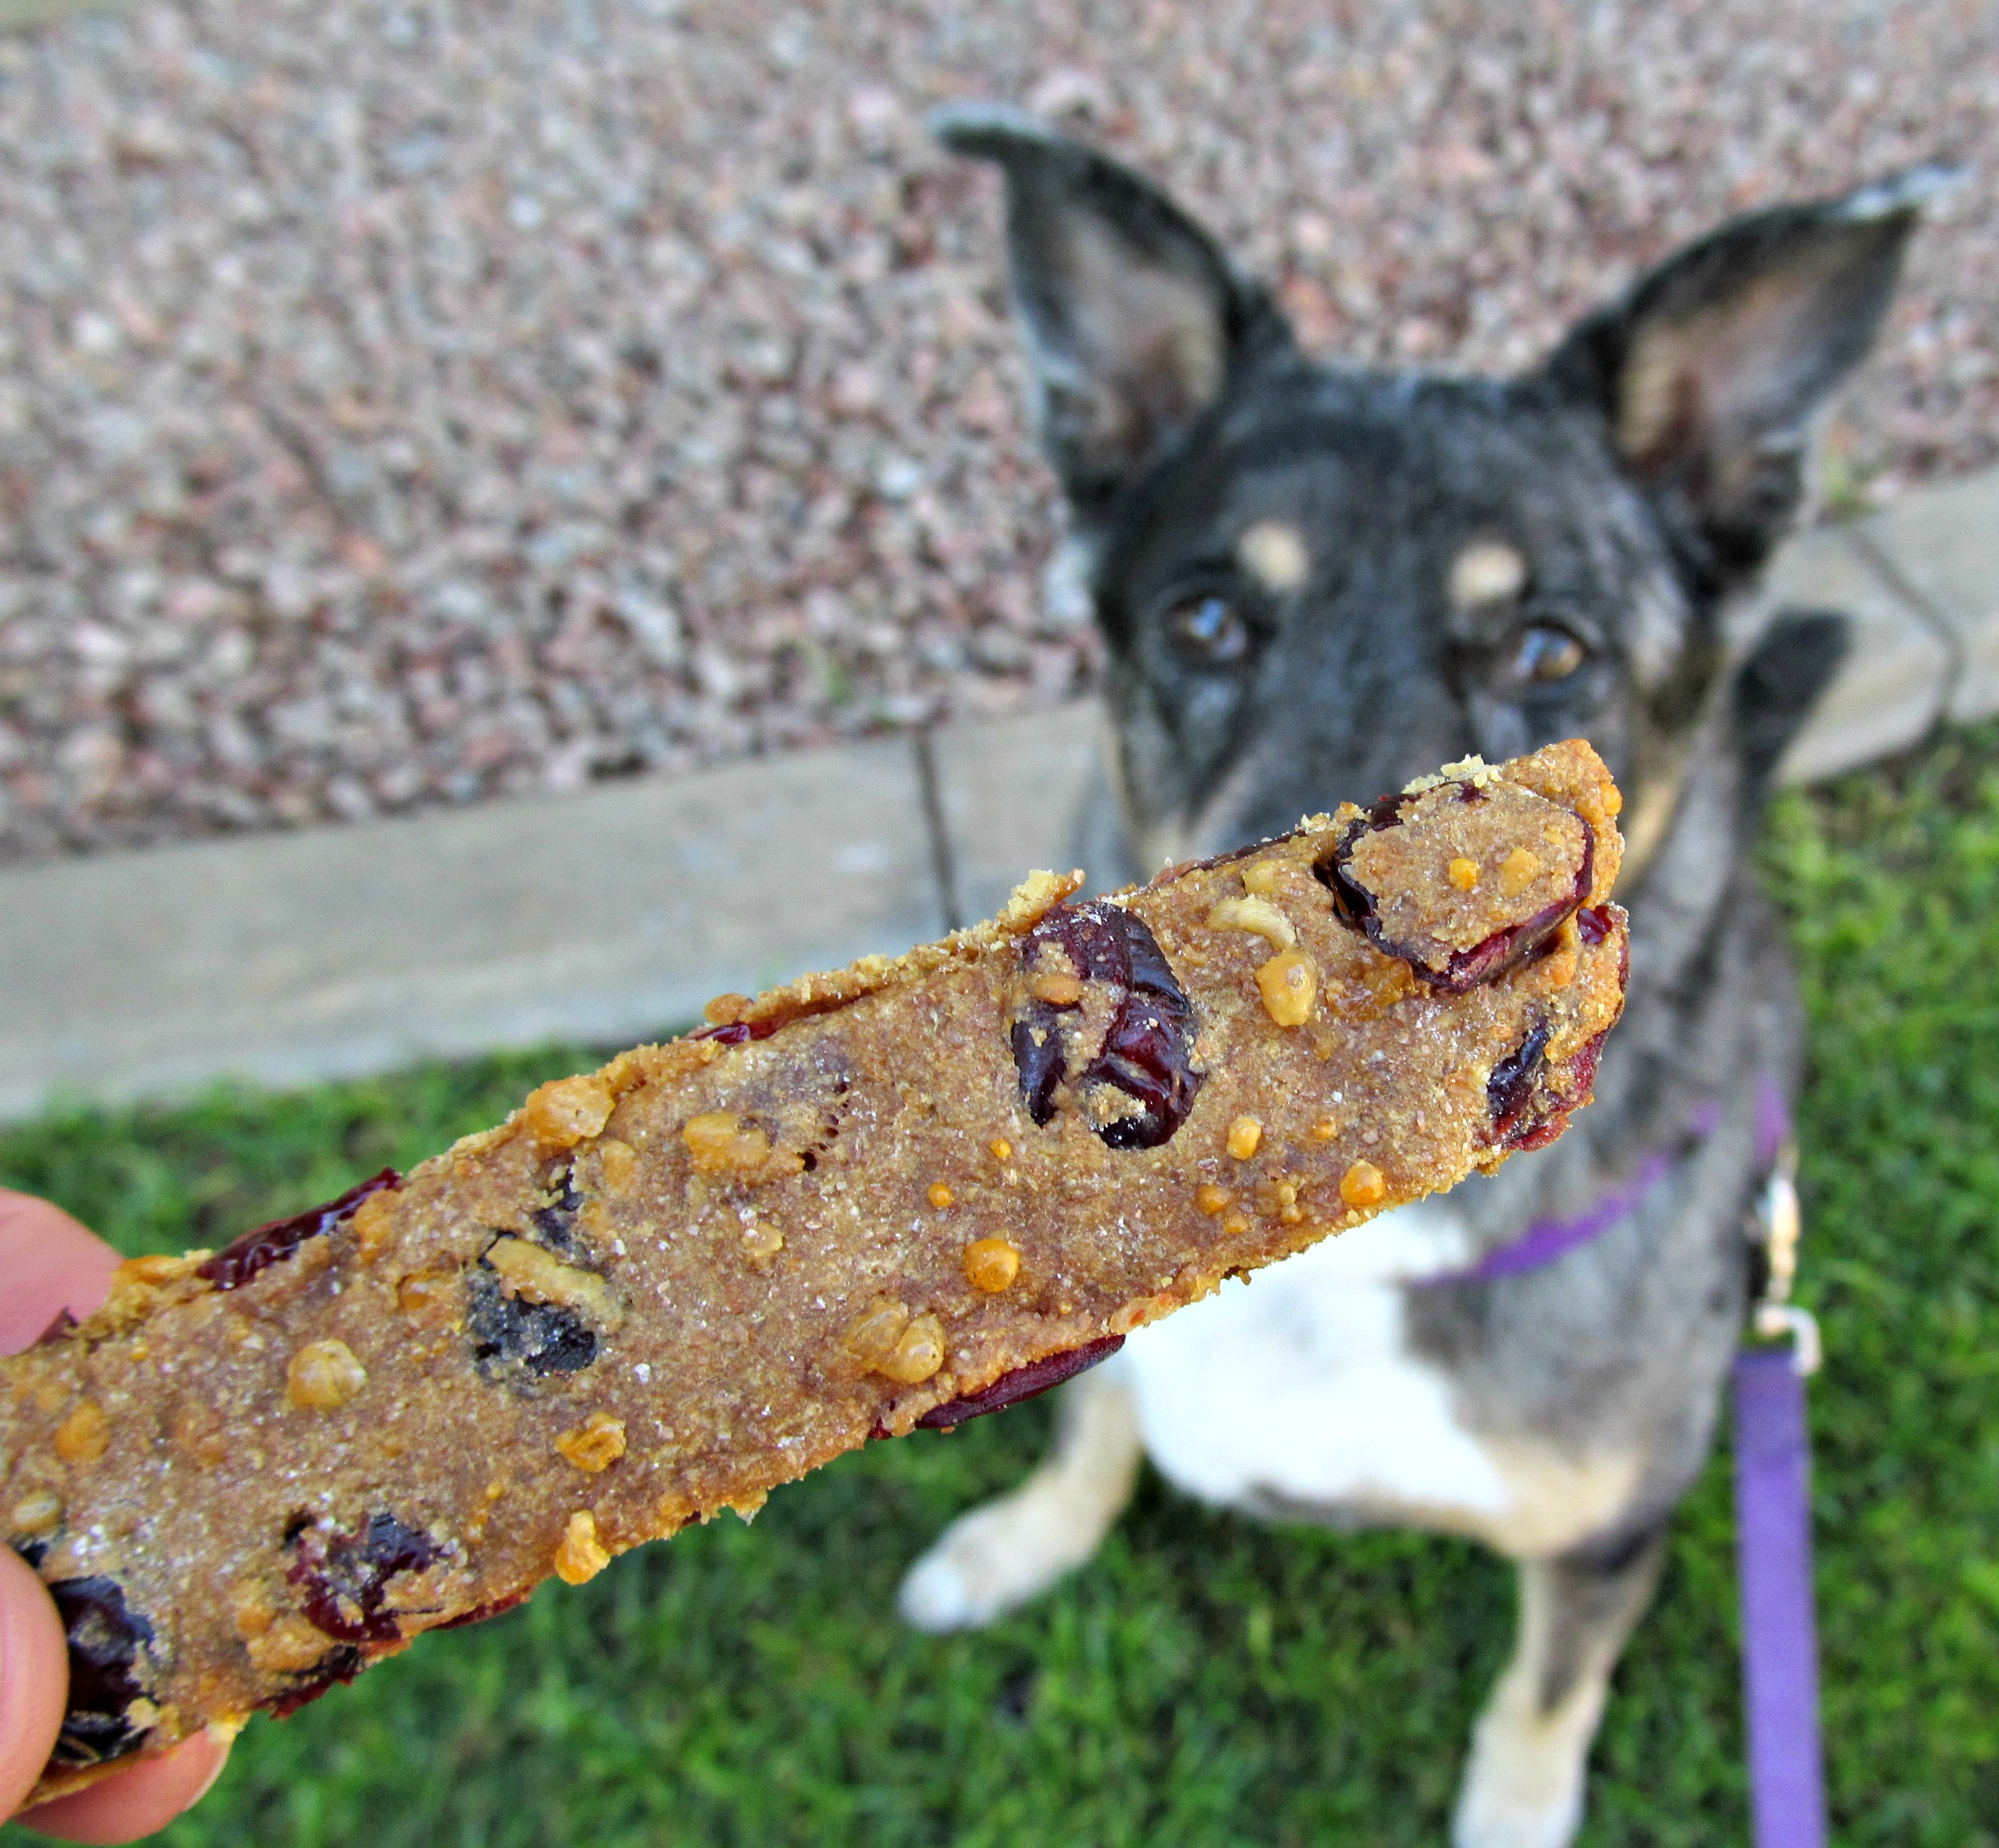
(612, 915)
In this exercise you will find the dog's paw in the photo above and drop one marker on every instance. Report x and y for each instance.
(1496, 1819)
(1524, 1785)
(995, 1559)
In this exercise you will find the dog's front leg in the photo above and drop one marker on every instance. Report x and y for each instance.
(998, 1557)
(1524, 1785)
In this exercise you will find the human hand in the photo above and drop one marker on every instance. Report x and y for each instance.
(50, 1263)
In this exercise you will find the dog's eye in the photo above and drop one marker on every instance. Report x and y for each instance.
(1543, 655)
(1209, 631)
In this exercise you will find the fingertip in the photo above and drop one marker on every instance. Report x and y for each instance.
(34, 1678)
(138, 1801)
(51, 1263)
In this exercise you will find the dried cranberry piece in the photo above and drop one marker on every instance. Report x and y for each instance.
(1466, 969)
(1582, 1068)
(1148, 1050)
(742, 1032)
(335, 1669)
(344, 1578)
(1594, 923)
(1096, 939)
(237, 1263)
(1538, 1134)
(62, 1325)
(1040, 1062)
(545, 1338)
(1545, 1108)
(479, 1613)
(1227, 859)
(1511, 1084)
(1568, 1092)
(1024, 1382)
(109, 1642)
(735, 1033)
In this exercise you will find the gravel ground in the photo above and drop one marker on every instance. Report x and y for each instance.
(401, 404)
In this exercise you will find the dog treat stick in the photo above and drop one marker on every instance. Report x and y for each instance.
(902, 1194)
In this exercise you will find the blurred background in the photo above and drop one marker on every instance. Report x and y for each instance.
(404, 408)
(404, 405)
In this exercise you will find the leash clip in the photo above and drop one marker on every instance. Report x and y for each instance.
(1780, 1221)
(1774, 1320)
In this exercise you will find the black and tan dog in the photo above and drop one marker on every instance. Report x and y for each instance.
(1313, 584)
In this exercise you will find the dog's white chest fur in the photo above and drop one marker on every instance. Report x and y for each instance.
(1299, 1384)
(1299, 1389)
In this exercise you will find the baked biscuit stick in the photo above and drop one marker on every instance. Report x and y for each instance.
(902, 1194)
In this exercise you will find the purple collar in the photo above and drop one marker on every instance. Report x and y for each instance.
(1544, 1240)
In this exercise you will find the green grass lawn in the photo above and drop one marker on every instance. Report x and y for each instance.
(1209, 1681)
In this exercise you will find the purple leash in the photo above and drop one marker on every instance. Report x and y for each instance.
(1773, 1561)
(1773, 1525)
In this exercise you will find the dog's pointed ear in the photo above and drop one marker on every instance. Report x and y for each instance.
(1709, 369)
(1135, 323)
